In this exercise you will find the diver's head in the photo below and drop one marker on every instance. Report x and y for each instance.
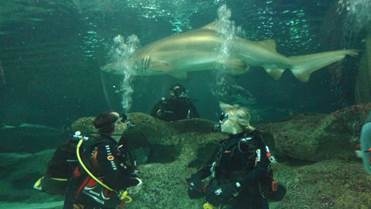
(234, 119)
(110, 123)
(178, 91)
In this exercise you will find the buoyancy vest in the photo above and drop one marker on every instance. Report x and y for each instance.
(92, 187)
(237, 155)
(59, 169)
(244, 150)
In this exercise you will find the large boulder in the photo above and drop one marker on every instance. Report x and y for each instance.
(330, 184)
(154, 140)
(317, 137)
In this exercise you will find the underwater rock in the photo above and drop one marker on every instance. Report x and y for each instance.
(151, 127)
(166, 141)
(84, 124)
(331, 184)
(317, 137)
(155, 140)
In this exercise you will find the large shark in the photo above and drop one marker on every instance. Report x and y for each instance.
(200, 49)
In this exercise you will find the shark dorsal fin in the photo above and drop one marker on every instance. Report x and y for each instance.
(269, 44)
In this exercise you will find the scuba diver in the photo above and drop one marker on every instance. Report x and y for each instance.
(105, 168)
(238, 176)
(365, 139)
(177, 106)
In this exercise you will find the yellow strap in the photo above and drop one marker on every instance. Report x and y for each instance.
(124, 196)
(207, 205)
(37, 184)
(87, 170)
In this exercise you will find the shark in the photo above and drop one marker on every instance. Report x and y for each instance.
(200, 49)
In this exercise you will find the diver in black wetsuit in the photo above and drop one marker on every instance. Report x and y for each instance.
(105, 168)
(177, 106)
(239, 170)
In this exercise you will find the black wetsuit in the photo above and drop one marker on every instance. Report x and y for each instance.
(107, 160)
(174, 108)
(235, 161)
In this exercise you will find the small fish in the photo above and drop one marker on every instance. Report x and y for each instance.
(2, 75)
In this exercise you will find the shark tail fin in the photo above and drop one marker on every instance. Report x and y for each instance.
(303, 66)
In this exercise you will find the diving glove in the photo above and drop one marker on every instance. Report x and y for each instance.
(219, 194)
(195, 187)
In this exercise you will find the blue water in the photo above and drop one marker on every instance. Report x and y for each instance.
(52, 52)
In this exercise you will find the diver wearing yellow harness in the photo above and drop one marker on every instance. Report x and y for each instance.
(105, 169)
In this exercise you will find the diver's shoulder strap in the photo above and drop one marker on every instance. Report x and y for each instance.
(87, 170)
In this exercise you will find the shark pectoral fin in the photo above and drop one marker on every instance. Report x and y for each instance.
(275, 73)
(179, 75)
(160, 66)
(269, 44)
(301, 73)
